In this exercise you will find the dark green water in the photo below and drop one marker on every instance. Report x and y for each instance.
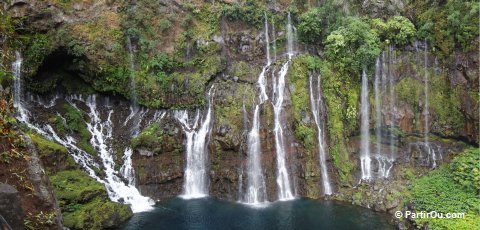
(208, 213)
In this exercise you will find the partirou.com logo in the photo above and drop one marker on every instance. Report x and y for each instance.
(429, 215)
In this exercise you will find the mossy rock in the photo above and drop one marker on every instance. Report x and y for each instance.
(54, 156)
(84, 202)
(97, 214)
(75, 186)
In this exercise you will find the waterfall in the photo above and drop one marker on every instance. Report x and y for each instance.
(102, 135)
(364, 127)
(283, 178)
(385, 163)
(136, 114)
(426, 114)
(101, 131)
(17, 87)
(256, 188)
(196, 178)
(393, 108)
(290, 49)
(316, 104)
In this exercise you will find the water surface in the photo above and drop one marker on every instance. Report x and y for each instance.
(209, 213)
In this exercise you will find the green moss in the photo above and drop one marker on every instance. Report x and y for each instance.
(340, 93)
(46, 147)
(84, 202)
(75, 122)
(54, 157)
(444, 102)
(155, 139)
(76, 186)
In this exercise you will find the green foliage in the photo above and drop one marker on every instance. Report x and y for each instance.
(84, 202)
(151, 138)
(466, 171)
(398, 30)
(340, 98)
(439, 192)
(353, 46)
(447, 24)
(251, 12)
(317, 23)
(39, 46)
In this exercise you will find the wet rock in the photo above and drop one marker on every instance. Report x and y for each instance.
(10, 206)
(144, 152)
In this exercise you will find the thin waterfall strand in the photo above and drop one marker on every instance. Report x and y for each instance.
(316, 104)
(365, 136)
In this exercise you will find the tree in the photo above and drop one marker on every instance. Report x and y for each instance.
(318, 22)
(352, 46)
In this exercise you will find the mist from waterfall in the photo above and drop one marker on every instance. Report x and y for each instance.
(197, 132)
(316, 104)
(365, 160)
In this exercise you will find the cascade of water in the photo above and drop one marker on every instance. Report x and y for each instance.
(127, 170)
(385, 163)
(101, 137)
(135, 109)
(17, 87)
(393, 108)
(316, 104)
(364, 126)
(290, 48)
(426, 114)
(256, 188)
(102, 132)
(117, 190)
(196, 180)
(283, 178)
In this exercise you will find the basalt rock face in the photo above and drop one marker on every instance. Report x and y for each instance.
(10, 206)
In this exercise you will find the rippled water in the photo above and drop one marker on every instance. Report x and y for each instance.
(208, 213)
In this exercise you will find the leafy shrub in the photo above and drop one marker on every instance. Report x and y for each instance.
(317, 23)
(352, 46)
(400, 30)
(439, 191)
(397, 29)
(447, 24)
(466, 170)
(250, 12)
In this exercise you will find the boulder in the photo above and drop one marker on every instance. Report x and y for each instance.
(10, 206)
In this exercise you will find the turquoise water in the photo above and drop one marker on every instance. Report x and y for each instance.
(209, 213)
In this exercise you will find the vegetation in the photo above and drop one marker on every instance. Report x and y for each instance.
(75, 122)
(84, 202)
(448, 25)
(450, 190)
(251, 12)
(317, 23)
(397, 30)
(353, 46)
